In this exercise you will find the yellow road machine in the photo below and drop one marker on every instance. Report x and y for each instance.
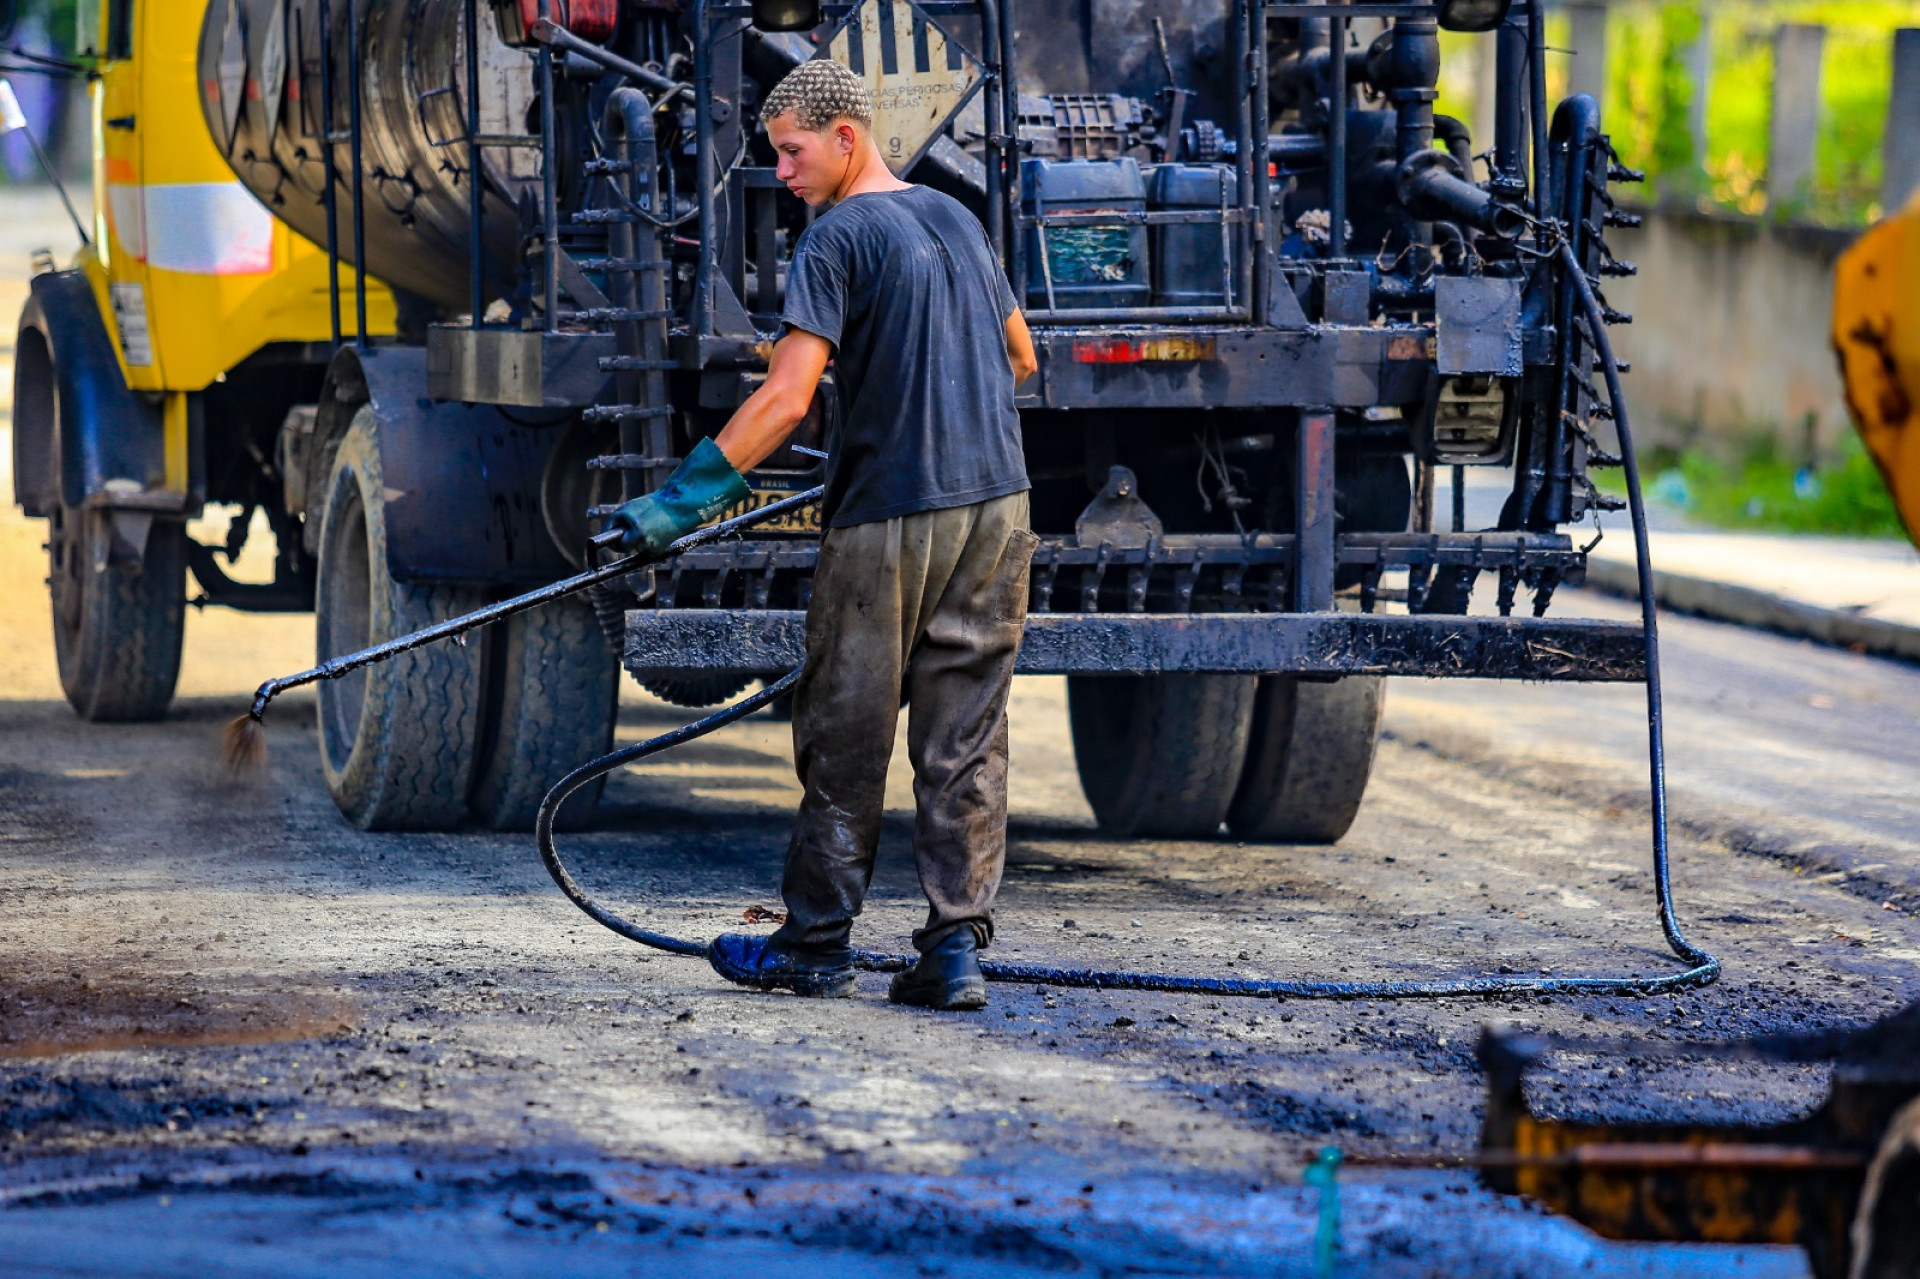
(154, 374)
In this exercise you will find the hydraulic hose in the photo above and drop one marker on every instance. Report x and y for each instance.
(1703, 968)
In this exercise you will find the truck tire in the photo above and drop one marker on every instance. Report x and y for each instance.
(118, 614)
(1308, 759)
(1160, 755)
(552, 693)
(397, 738)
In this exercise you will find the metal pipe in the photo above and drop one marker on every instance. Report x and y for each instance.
(1430, 189)
(1575, 125)
(1040, 234)
(553, 35)
(997, 148)
(1136, 314)
(332, 169)
(1226, 248)
(643, 344)
(1337, 138)
(1262, 197)
(335, 667)
(53, 176)
(1009, 88)
(1510, 110)
(1641, 1156)
(1140, 217)
(1313, 514)
(1537, 99)
(1412, 66)
(549, 181)
(476, 277)
(1296, 151)
(1244, 139)
(619, 127)
(359, 193)
(703, 168)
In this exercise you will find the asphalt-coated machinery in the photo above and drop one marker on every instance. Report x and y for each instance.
(1841, 1181)
(1273, 295)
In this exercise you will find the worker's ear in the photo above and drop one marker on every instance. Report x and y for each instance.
(846, 135)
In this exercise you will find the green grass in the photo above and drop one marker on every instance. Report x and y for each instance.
(1764, 491)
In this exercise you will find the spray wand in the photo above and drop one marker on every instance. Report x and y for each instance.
(244, 745)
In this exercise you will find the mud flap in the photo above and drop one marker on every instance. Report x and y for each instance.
(462, 480)
(103, 438)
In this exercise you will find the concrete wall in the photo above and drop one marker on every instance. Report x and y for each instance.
(1730, 333)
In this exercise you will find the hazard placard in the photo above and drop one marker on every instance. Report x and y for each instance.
(919, 75)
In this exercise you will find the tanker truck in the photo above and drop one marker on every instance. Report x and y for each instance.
(1273, 293)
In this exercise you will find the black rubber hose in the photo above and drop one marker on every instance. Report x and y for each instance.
(543, 821)
(1705, 968)
(1705, 963)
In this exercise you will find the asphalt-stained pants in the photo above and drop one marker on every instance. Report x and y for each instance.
(929, 606)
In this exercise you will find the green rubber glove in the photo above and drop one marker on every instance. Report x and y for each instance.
(703, 486)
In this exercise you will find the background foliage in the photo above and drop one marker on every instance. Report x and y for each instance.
(1651, 91)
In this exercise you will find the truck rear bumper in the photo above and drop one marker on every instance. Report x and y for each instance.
(772, 641)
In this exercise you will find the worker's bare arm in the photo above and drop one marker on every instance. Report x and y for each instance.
(759, 426)
(1020, 348)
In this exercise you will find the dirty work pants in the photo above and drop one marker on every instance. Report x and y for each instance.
(929, 607)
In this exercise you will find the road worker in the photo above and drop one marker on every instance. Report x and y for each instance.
(921, 588)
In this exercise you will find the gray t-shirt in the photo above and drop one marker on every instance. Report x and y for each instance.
(906, 287)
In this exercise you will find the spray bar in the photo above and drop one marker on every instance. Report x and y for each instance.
(335, 667)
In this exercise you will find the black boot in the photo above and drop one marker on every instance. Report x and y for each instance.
(948, 976)
(765, 964)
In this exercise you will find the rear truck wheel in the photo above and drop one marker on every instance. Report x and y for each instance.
(1309, 755)
(1160, 755)
(119, 610)
(397, 738)
(552, 693)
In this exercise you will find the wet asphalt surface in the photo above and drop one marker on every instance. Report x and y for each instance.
(237, 1037)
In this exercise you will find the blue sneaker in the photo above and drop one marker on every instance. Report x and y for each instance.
(763, 964)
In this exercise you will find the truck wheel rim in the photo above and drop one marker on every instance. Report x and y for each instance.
(66, 549)
(344, 623)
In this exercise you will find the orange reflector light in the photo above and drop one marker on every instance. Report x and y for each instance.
(1142, 350)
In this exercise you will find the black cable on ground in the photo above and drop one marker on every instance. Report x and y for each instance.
(1704, 967)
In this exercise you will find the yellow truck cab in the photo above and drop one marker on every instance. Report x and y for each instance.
(154, 375)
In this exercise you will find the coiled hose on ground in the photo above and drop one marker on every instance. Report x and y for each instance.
(1703, 968)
